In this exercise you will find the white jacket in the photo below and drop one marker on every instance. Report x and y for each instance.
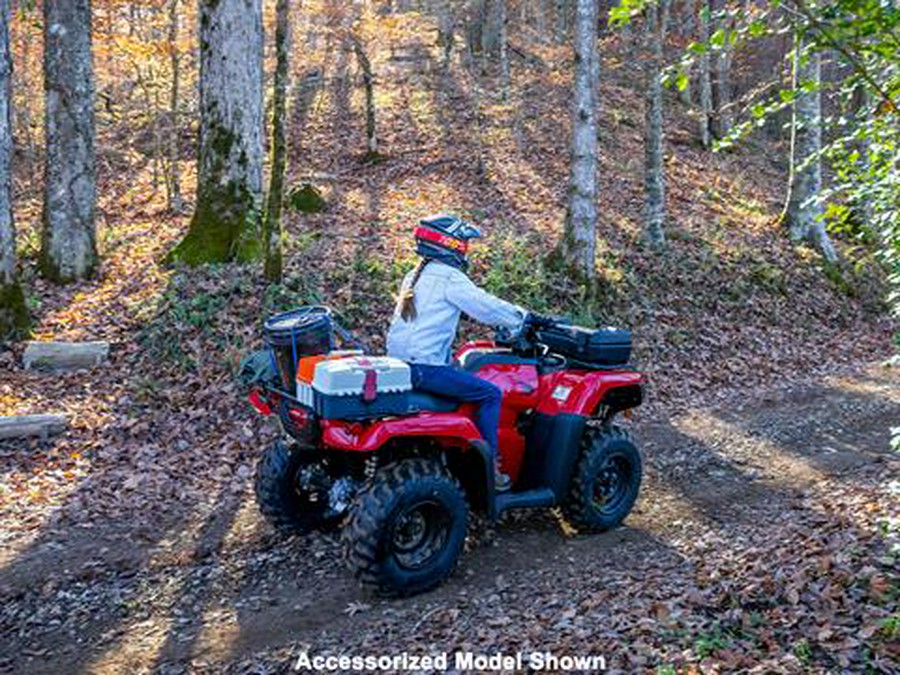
(441, 293)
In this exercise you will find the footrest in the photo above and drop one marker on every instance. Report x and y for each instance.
(540, 497)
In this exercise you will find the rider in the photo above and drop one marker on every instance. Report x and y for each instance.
(427, 313)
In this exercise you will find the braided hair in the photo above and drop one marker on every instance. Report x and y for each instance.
(408, 295)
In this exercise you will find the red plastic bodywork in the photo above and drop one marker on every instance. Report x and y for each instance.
(454, 428)
(578, 392)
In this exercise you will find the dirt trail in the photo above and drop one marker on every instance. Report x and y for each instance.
(720, 483)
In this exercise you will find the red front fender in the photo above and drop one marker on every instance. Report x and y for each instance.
(356, 437)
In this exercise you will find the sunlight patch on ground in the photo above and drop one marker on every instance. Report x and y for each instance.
(734, 445)
(879, 388)
(521, 185)
(247, 526)
(129, 278)
(668, 515)
(219, 634)
(138, 646)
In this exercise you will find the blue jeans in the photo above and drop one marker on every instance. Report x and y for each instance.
(459, 385)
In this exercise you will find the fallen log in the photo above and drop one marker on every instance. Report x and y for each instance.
(64, 355)
(21, 426)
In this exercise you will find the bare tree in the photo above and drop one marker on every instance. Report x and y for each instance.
(365, 65)
(803, 213)
(580, 233)
(272, 231)
(504, 49)
(225, 224)
(173, 174)
(13, 311)
(562, 20)
(704, 77)
(654, 174)
(721, 121)
(688, 21)
(445, 24)
(68, 243)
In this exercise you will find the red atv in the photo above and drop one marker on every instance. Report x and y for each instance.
(401, 484)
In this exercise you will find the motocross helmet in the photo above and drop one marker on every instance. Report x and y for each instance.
(445, 238)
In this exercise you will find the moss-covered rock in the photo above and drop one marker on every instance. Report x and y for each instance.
(14, 317)
(305, 198)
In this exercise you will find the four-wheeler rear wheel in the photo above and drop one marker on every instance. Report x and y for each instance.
(407, 529)
(292, 489)
(606, 481)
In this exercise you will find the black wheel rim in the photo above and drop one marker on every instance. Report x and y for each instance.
(612, 484)
(310, 487)
(419, 534)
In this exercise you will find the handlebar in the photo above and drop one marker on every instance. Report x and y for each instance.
(526, 338)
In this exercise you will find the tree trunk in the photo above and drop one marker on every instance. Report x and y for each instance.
(475, 28)
(13, 311)
(369, 85)
(490, 31)
(803, 211)
(721, 77)
(444, 13)
(654, 177)
(173, 178)
(703, 76)
(579, 236)
(504, 50)
(68, 243)
(689, 18)
(272, 226)
(562, 20)
(542, 9)
(225, 224)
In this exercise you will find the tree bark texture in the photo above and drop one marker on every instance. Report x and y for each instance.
(225, 224)
(272, 230)
(803, 212)
(654, 176)
(704, 78)
(68, 242)
(562, 20)
(504, 49)
(365, 65)
(721, 75)
(13, 311)
(445, 23)
(689, 19)
(173, 178)
(579, 237)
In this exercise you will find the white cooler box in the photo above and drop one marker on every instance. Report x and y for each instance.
(361, 387)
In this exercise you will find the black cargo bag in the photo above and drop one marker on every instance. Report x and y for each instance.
(592, 347)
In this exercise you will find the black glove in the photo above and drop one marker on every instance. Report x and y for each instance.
(535, 322)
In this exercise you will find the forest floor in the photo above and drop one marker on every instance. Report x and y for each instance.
(764, 531)
(765, 537)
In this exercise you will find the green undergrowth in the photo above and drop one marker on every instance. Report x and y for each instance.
(218, 308)
(200, 317)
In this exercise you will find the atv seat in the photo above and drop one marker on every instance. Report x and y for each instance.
(420, 401)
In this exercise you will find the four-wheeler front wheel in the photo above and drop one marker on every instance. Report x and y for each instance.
(292, 487)
(407, 529)
(606, 481)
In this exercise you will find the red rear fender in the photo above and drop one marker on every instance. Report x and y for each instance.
(356, 437)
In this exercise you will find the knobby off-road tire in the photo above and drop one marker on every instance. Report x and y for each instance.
(407, 530)
(280, 500)
(606, 481)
